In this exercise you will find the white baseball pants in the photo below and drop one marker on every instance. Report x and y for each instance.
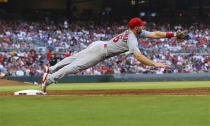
(86, 58)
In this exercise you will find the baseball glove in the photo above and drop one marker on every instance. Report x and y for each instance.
(181, 36)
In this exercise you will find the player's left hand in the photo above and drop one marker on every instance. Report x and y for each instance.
(181, 36)
(161, 65)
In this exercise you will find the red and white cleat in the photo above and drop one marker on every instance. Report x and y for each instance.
(47, 79)
(44, 83)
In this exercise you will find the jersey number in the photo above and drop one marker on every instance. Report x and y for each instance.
(120, 36)
(116, 39)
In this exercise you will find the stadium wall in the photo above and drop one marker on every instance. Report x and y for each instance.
(120, 78)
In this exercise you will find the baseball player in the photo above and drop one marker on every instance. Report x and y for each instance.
(100, 50)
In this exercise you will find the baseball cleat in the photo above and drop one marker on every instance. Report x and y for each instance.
(44, 83)
(46, 69)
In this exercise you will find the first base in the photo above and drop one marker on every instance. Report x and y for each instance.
(29, 92)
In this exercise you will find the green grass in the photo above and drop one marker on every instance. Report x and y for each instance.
(105, 111)
(116, 85)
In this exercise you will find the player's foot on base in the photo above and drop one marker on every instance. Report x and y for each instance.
(46, 69)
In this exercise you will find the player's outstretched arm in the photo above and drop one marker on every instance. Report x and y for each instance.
(147, 61)
(159, 34)
(180, 35)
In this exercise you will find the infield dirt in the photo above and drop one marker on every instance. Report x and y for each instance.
(140, 92)
(4, 82)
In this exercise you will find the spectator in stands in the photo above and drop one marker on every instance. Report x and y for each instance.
(18, 37)
(53, 60)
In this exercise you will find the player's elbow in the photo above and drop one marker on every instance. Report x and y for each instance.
(137, 55)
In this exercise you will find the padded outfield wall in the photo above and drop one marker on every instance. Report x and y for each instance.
(120, 78)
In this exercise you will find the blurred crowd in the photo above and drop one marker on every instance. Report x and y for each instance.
(19, 40)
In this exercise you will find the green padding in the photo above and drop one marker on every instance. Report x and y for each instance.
(120, 78)
(162, 77)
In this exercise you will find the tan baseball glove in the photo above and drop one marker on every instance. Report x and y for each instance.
(181, 36)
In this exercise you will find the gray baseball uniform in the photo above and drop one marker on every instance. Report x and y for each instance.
(96, 52)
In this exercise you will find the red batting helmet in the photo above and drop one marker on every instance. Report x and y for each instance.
(136, 22)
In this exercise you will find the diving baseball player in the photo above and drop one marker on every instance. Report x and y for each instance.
(100, 50)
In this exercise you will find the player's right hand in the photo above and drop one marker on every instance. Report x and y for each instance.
(161, 65)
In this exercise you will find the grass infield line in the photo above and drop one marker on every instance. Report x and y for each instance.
(114, 86)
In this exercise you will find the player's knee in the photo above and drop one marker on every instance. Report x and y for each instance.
(73, 70)
(78, 68)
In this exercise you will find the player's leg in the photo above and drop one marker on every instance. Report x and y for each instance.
(87, 58)
(76, 66)
(65, 61)
(60, 64)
